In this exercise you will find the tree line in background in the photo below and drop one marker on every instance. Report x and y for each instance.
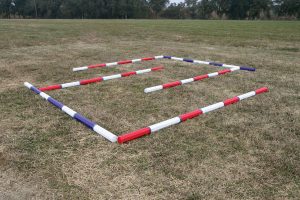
(135, 9)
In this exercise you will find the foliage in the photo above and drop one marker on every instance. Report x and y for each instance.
(123, 9)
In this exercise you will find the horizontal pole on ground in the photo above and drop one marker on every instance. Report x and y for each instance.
(189, 80)
(209, 63)
(184, 117)
(98, 79)
(123, 62)
(160, 57)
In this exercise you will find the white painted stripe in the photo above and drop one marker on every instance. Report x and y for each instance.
(229, 66)
(105, 78)
(80, 68)
(28, 85)
(234, 69)
(213, 74)
(72, 84)
(164, 124)
(176, 58)
(247, 95)
(187, 80)
(201, 62)
(154, 88)
(136, 60)
(111, 64)
(69, 111)
(212, 107)
(158, 57)
(44, 95)
(143, 71)
(105, 133)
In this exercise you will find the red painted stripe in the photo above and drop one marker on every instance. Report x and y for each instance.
(261, 90)
(157, 68)
(231, 101)
(149, 58)
(190, 115)
(198, 78)
(92, 80)
(224, 71)
(97, 65)
(172, 84)
(124, 62)
(51, 87)
(133, 135)
(128, 74)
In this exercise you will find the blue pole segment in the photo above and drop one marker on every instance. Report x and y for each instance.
(84, 120)
(247, 68)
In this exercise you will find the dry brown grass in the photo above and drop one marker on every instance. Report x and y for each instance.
(248, 150)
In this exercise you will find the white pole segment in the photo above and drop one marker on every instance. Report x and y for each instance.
(212, 107)
(105, 78)
(152, 89)
(69, 111)
(201, 62)
(165, 124)
(247, 95)
(111, 64)
(213, 74)
(143, 71)
(136, 60)
(72, 84)
(185, 81)
(105, 133)
(80, 68)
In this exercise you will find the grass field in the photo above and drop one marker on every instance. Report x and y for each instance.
(248, 150)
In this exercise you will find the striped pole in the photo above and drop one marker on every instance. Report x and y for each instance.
(184, 117)
(98, 79)
(90, 124)
(209, 63)
(123, 62)
(189, 80)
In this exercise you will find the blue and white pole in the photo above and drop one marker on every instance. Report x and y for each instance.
(90, 124)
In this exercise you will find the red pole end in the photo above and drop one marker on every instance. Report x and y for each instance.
(134, 135)
(262, 90)
(51, 87)
(157, 68)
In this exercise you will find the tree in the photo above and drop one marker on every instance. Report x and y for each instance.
(238, 9)
(259, 7)
(205, 8)
(175, 11)
(123, 9)
(287, 7)
(157, 6)
(5, 7)
(191, 8)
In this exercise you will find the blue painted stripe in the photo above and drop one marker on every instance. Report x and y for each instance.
(35, 89)
(216, 64)
(169, 57)
(247, 68)
(84, 120)
(188, 60)
(55, 103)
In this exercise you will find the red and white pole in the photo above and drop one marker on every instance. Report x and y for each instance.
(98, 79)
(189, 80)
(184, 117)
(123, 62)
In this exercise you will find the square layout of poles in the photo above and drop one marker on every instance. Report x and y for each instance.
(155, 127)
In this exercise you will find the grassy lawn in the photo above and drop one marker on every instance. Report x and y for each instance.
(248, 150)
